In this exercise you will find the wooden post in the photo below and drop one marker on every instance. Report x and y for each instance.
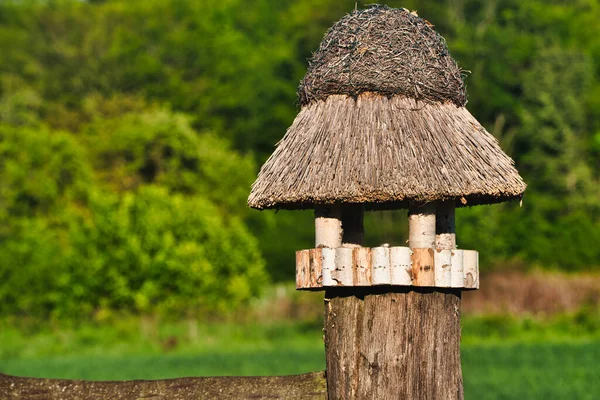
(393, 343)
(445, 243)
(352, 225)
(445, 226)
(421, 239)
(385, 342)
(328, 226)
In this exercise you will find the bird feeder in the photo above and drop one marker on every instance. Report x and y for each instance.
(383, 125)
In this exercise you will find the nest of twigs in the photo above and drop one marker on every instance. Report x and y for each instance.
(387, 51)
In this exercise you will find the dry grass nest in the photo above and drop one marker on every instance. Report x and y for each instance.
(387, 51)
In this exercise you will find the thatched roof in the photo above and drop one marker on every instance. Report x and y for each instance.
(391, 137)
(379, 150)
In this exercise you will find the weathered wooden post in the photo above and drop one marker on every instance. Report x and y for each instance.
(383, 124)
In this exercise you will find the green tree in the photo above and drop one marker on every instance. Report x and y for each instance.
(104, 75)
(72, 244)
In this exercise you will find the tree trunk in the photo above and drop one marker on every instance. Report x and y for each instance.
(393, 343)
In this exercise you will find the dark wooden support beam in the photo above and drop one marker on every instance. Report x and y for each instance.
(352, 225)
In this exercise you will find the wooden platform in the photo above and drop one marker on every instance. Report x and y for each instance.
(396, 266)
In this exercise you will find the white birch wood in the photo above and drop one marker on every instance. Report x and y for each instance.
(421, 227)
(471, 269)
(362, 266)
(445, 242)
(344, 266)
(400, 266)
(328, 226)
(328, 266)
(445, 227)
(421, 240)
(380, 262)
(343, 273)
(443, 268)
(457, 277)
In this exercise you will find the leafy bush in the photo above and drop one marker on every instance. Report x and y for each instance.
(76, 239)
(149, 250)
(38, 169)
(160, 147)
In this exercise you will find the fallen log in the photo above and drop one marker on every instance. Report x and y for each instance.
(311, 386)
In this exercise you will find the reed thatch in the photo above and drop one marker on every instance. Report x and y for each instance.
(386, 152)
(383, 50)
(394, 134)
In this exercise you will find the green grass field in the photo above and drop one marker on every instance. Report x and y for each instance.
(502, 358)
(514, 371)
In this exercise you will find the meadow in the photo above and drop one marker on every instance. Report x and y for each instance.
(504, 356)
(491, 371)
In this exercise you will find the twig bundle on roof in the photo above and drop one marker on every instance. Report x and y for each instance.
(383, 50)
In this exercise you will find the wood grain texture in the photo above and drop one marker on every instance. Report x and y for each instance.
(361, 260)
(302, 268)
(310, 386)
(423, 267)
(404, 344)
(315, 270)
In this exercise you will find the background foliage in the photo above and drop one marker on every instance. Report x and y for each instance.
(130, 133)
